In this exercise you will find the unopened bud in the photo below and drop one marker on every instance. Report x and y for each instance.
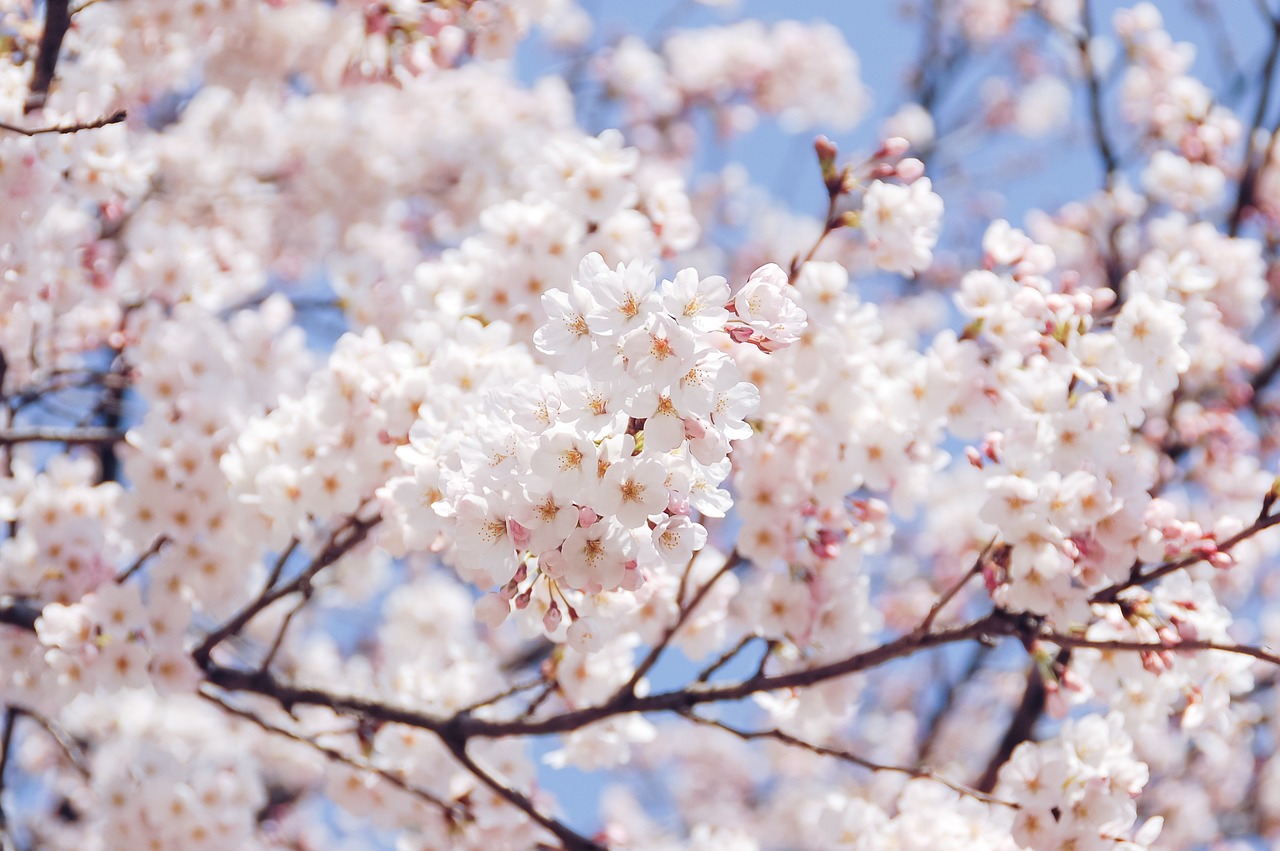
(551, 620)
(894, 146)
(910, 170)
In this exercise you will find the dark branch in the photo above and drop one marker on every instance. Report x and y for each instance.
(90, 435)
(1254, 167)
(57, 19)
(341, 541)
(846, 756)
(114, 118)
(1021, 726)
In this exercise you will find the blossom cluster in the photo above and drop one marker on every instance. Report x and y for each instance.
(590, 478)
(371, 409)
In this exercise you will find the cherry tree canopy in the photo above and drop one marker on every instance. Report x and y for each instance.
(404, 448)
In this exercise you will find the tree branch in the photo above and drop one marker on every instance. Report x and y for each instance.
(570, 839)
(1111, 593)
(57, 19)
(337, 546)
(1020, 728)
(6, 743)
(1254, 168)
(156, 546)
(629, 688)
(89, 435)
(845, 756)
(452, 811)
(114, 118)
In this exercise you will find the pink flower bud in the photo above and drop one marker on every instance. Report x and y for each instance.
(551, 620)
(894, 146)
(586, 516)
(632, 578)
(519, 534)
(910, 170)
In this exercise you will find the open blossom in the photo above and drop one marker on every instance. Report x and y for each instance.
(632, 490)
(901, 224)
(343, 468)
(766, 311)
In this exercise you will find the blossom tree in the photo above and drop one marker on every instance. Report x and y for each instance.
(399, 412)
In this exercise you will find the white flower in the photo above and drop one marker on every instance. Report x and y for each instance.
(624, 297)
(677, 538)
(697, 303)
(566, 460)
(632, 489)
(660, 352)
(593, 557)
(901, 224)
(766, 306)
(567, 333)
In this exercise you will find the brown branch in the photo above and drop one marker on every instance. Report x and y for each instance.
(114, 118)
(453, 811)
(57, 19)
(846, 756)
(1254, 168)
(570, 839)
(1020, 728)
(6, 743)
(1101, 141)
(1262, 654)
(156, 545)
(355, 529)
(89, 435)
(732, 561)
(1111, 593)
(69, 746)
(467, 726)
(951, 592)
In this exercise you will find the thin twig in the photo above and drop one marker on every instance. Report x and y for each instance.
(278, 568)
(732, 561)
(951, 592)
(54, 434)
(355, 529)
(540, 698)
(1253, 168)
(57, 19)
(1262, 654)
(74, 753)
(846, 756)
(1137, 577)
(284, 627)
(6, 741)
(504, 694)
(705, 674)
(572, 840)
(453, 811)
(114, 118)
(1101, 141)
(156, 545)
